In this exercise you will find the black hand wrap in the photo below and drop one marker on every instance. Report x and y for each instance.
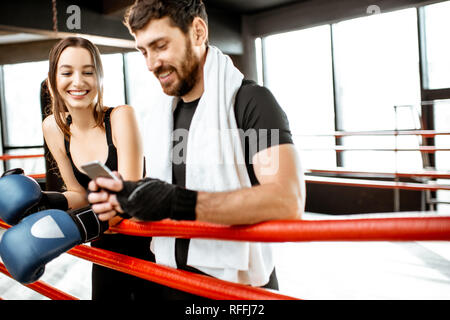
(50, 200)
(152, 200)
(54, 200)
(88, 223)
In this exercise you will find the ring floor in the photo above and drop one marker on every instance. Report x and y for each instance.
(381, 270)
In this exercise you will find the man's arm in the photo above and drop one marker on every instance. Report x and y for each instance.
(280, 195)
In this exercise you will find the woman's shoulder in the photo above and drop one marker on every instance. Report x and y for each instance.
(52, 133)
(49, 123)
(122, 112)
(123, 121)
(122, 108)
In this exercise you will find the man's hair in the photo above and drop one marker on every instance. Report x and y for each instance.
(180, 12)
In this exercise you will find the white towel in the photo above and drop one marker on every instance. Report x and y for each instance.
(215, 162)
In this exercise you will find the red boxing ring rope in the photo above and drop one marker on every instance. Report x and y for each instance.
(182, 280)
(25, 156)
(43, 288)
(379, 229)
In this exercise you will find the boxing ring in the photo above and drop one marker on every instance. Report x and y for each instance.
(343, 230)
(361, 230)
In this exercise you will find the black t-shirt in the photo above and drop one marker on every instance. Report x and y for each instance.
(255, 108)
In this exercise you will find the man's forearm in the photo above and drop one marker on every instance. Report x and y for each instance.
(250, 205)
(152, 200)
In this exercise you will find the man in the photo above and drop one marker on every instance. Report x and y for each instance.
(200, 168)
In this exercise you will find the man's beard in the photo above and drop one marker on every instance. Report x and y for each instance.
(188, 74)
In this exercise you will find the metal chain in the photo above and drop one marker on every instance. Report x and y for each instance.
(55, 16)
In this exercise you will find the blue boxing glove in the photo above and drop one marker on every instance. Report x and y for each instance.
(21, 195)
(41, 237)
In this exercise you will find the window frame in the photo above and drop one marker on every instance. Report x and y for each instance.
(4, 146)
(426, 95)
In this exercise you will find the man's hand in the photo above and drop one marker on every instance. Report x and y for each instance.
(147, 199)
(105, 203)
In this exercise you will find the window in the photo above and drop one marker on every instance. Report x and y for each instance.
(437, 76)
(437, 24)
(259, 61)
(22, 114)
(143, 87)
(113, 83)
(29, 165)
(22, 110)
(22, 103)
(298, 71)
(377, 68)
(442, 123)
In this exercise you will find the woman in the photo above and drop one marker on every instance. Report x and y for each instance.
(81, 129)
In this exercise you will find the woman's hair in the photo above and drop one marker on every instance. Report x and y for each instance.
(58, 106)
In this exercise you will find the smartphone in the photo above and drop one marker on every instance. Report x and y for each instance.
(97, 169)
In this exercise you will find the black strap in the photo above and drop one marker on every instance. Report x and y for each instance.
(88, 224)
(69, 120)
(108, 126)
(67, 140)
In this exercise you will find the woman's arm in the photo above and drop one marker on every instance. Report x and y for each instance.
(128, 142)
(75, 194)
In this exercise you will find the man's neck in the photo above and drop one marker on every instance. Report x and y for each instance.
(196, 91)
(199, 87)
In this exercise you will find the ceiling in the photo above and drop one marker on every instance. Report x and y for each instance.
(248, 6)
(14, 37)
(117, 8)
(235, 6)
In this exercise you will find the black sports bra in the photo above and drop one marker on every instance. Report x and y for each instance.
(111, 161)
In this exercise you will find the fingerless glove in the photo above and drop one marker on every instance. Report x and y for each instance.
(151, 199)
